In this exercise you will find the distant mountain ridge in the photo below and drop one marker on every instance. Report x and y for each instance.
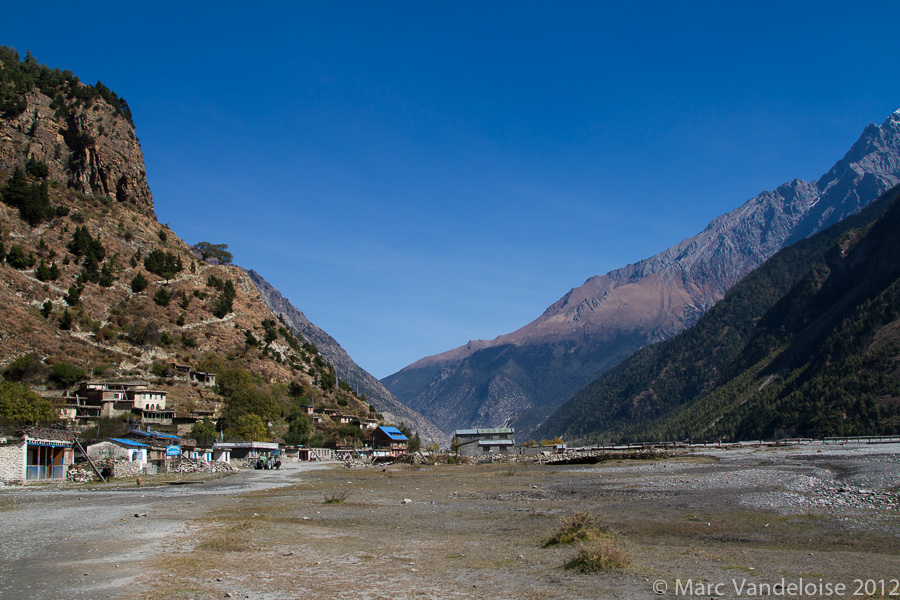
(360, 380)
(518, 378)
(806, 345)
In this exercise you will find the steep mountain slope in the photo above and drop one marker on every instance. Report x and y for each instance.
(805, 345)
(347, 370)
(89, 279)
(520, 377)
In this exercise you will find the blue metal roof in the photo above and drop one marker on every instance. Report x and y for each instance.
(394, 433)
(155, 434)
(128, 442)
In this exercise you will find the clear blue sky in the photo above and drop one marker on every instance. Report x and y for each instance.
(413, 175)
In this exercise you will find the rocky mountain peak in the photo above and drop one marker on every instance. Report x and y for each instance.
(602, 321)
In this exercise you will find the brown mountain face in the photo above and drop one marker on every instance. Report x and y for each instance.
(596, 325)
(92, 279)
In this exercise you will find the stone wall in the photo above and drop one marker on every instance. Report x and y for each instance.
(12, 462)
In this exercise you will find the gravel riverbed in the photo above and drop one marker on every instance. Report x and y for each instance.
(717, 516)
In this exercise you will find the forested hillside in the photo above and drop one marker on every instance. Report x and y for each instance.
(806, 345)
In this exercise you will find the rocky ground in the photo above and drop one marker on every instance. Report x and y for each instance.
(759, 517)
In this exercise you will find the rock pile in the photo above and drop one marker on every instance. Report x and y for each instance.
(204, 467)
(79, 475)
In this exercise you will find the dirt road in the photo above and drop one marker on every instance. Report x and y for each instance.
(78, 541)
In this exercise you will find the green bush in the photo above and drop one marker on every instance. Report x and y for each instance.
(139, 283)
(27, 368)
(162, 296)
(164, 264)
(73, 295)
(65, 375)
(46, 273)
(37, 168)
(18, 259)
(224, 304)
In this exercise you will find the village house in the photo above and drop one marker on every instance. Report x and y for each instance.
(389, 441)
(95, 399)
(472, 442)
(119, 449)
(158, 444)
(186, 373)
(36, 454)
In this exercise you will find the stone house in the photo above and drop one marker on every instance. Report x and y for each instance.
(119, 449)
(36, 454)
(117, 399)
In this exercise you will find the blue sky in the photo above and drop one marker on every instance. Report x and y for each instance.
(413, 175)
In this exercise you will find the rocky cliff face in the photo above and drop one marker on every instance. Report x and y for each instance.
(84, 141)
(596, 325)
(347, 370)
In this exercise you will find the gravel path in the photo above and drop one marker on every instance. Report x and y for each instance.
(78, 542)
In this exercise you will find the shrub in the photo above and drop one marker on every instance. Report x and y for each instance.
(37, 168)
(83, 244)
(139, 283)
(18, 259)
(45, 273)
(224, 304)
(336, 497)
(162, 296)
(65, 375)
(579, 527)
(27, 368)
(73, 295)
(597, 557)
(158, 369)
(164, 264)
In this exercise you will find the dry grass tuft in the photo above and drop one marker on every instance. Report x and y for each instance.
(579, 527)
(336, 497)
(597, 557)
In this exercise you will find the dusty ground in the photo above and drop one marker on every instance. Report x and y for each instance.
(829, 515)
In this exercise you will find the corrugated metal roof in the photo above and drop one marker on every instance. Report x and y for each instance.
(393, 433)
(155, 434)
(128, 442)
(496, 442)
(466, 432)
(496, 430)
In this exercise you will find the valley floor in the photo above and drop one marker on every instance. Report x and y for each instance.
(701, 524)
